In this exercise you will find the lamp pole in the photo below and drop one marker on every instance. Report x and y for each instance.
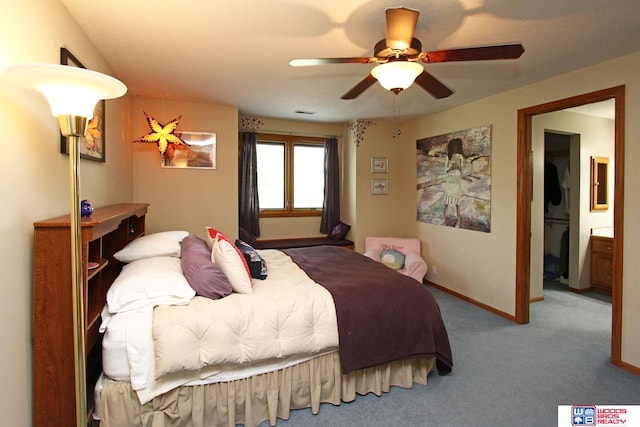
(72, 127)
(72, 94)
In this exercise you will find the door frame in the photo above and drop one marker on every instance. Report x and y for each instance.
(523, 200)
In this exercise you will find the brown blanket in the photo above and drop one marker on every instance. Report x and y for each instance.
(382, 315)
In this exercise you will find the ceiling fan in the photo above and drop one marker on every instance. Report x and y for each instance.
(399, 54)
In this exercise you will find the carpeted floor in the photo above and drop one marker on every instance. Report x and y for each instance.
(505, 374)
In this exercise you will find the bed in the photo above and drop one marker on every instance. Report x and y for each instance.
(311, 325)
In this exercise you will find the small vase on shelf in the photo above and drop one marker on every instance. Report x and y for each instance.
(85, 208)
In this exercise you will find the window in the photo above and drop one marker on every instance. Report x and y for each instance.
(290, 175)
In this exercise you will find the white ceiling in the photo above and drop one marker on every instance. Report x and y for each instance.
(236, 52)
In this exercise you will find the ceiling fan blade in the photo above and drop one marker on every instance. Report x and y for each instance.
(401, 24)
(325, 61)
(432, 85)
(480, 53)
(363, 85)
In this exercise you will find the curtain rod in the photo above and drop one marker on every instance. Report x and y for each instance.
(279, 132)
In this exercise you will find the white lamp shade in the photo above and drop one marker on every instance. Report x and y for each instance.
(397, 74)
(69, 90)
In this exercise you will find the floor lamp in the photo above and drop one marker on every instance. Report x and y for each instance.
(72, 94)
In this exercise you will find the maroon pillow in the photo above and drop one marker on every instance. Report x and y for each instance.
(206, 278)
(339, 231)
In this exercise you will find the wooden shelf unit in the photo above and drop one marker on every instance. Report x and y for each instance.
(105, 232)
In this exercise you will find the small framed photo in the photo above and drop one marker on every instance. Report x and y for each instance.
(379, 165)
(200, 153)
(379, 186)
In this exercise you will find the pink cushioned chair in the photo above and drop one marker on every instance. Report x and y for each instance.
(414, 265)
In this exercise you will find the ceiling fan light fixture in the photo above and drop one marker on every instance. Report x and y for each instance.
(397, 75)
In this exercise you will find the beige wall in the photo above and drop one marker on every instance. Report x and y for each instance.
(482, 265)
(187, 199)
(34, 177)
(349, 191)
(391, 214)
(476, 264)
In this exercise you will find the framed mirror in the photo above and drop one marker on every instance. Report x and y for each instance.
(599, 183)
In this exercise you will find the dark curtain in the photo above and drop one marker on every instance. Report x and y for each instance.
(249, 207)
(331, 204)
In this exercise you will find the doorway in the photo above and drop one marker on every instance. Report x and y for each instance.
(524, 195)
(557, 251)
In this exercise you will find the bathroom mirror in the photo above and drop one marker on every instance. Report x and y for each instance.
(599, 183)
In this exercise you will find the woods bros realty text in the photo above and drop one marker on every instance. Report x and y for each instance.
(598, 415)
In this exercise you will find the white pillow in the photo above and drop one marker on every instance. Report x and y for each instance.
(165, 243)
(147, 283)
(231, 261)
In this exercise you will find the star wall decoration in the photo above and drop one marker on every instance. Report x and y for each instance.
(163, 135)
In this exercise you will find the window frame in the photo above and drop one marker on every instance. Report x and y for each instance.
(289, 142)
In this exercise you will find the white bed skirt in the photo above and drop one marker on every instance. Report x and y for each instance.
(263, 397)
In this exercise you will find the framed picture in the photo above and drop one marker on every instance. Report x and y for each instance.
(200, 153)
(454, 179)
(91, 146)
(379, 165)
(379, 186)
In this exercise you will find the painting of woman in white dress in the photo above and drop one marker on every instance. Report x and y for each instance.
(454, 179)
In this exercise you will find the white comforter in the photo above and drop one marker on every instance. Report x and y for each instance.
(287, 315)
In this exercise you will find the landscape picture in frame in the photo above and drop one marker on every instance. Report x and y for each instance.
(379, 186)
(454, 179)
(199, 153)
(92, 146)
(379, 164)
